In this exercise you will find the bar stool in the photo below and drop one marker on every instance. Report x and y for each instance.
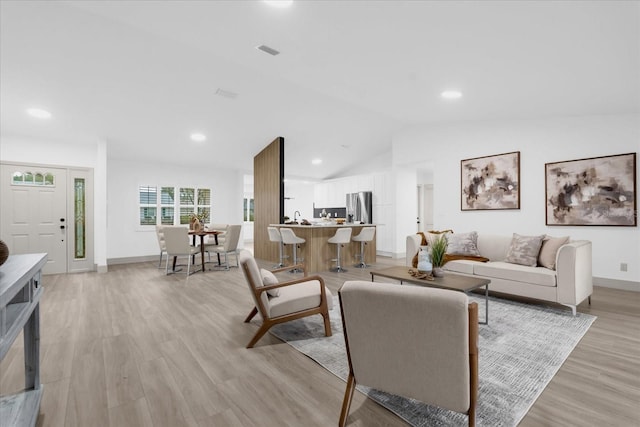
(342, 237)
(366, 235)
(274, 236)
(290, 238)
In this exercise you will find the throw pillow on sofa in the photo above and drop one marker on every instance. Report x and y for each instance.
(433, 235)
(549, 250)
(463, 244)
(524, 250)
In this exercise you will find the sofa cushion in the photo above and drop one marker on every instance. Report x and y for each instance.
(433, 235)
(298, 297)
(524, 250)
(460, 266)
(268, 278)
(515, 272)
(463, 244)
(549, 250)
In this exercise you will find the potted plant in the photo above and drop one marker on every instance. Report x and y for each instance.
(438, 251)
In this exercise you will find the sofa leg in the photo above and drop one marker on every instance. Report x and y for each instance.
(589, 299)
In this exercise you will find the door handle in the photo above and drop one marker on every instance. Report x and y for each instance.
(62, 227)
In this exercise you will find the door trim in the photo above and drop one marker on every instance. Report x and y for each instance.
(87, 263)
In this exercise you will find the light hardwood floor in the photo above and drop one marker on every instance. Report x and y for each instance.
(134, 347)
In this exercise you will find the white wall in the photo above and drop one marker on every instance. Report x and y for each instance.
(539, 142)
(126, 237)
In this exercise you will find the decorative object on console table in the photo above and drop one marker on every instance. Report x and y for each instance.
(491, 182)
(593, 191)
(4, 252)
(438, 251)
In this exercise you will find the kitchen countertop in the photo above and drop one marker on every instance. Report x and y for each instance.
(323, 224)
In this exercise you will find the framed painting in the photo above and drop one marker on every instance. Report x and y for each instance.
(594, 191)
(491, 182)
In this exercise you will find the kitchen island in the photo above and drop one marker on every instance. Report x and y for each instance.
(318, 253)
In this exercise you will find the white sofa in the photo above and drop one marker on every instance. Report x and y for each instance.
(569, 284)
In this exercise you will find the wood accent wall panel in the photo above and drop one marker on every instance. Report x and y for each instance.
(268, 196)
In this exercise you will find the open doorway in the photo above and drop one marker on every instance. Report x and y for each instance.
(424, 194)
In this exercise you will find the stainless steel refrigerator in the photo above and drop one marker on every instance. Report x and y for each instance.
(360, 207)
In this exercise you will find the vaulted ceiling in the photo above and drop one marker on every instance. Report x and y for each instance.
(143, 75)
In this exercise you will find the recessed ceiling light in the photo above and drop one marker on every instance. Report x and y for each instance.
(198, 137)
(316, 161)
(451, 94)
(39, 113)
(279, 3)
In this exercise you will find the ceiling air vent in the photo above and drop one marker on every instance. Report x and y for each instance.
(226, 93)
(267, 49)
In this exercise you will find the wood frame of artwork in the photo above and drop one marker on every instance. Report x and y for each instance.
(490, 182)
(598, 191)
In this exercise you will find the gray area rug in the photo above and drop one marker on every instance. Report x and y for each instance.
(520, 350)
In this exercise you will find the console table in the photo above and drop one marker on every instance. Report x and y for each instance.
(20, 292)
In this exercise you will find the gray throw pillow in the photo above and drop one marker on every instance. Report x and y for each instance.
(524, 250)
(463, 244)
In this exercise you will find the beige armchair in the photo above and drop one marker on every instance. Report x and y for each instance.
(411, 341)
(279, 302)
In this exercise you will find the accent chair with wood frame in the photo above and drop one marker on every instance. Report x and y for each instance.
(411, 341)
(295, 298)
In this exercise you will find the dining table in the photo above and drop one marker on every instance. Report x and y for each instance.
(202, 233)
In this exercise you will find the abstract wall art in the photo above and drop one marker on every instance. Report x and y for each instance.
(491, 182)
(594, 191)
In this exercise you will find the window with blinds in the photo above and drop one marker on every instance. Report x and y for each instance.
(176, 205)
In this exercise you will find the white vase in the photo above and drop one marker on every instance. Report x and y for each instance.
(424, 260)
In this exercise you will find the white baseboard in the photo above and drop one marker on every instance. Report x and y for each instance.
(625, 285)
(389, 255)
(135, 259)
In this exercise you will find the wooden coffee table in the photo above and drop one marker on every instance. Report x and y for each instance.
(451, 281)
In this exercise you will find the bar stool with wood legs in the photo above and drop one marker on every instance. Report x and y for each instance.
(274, 236)
(342, 237)
(366, 235)
(290, 238)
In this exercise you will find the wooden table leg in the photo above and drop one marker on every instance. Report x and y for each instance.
(202, 250)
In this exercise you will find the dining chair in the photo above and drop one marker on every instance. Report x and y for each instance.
(411, 341)
(176, 240)
(161, 243)
(297, 298)
(222, 233)
(230, 246)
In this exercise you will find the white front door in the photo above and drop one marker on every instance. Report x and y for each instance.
(34, 212)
